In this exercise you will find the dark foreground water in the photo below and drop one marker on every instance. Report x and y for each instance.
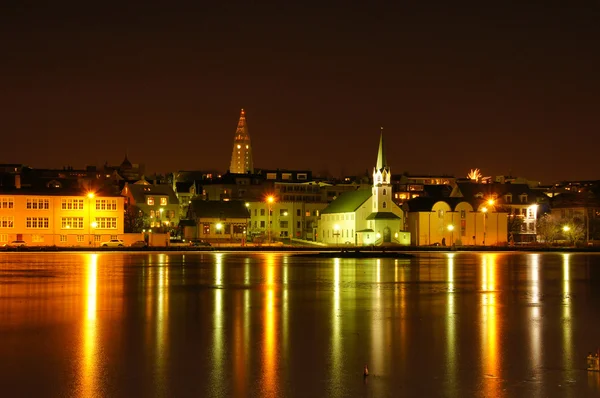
(275, 325)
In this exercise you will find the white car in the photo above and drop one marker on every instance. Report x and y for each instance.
(113, 243)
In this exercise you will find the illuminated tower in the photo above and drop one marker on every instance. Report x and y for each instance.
(382, 188)
(241, 157)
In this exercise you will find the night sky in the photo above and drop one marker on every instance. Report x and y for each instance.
(499, 85)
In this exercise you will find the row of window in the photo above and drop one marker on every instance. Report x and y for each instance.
(338, 233)
(284, 213)
(168, 213)
(35, 238)
(66, 222)
(66, 204)
(338, 217)
(150, 201)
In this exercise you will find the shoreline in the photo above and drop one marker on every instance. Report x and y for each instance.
(324, 251)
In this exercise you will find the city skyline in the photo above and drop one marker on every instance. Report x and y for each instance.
(508, 89)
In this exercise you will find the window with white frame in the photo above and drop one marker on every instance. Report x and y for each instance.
(163, 201)
(97, 238)
(150, 201)
(72, 223)
(106, 222)
(3, 238)
(7, 203)
(63, 238)
(106, 204)
(71, 204)
(38, 203)
(7, 222)
(80, 238)
(36, 222)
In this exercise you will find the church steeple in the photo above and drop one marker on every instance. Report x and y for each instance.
(241, 156)
(381, 162)
(382, 188)
(381, 172)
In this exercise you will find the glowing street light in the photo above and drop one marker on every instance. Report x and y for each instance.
(270, 200)
(91, 195)
(484, 211)
(451, 229)
(566, 228)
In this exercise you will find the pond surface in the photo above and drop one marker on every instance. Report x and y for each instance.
(227, 324)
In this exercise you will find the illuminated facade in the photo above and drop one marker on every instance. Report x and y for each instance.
(365, 217)
(241, 156)
(158, 202)
(455, 221)
(59, 217)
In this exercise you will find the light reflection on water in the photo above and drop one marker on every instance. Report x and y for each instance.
(270, 324)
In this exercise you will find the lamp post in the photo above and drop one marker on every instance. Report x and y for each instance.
(484, 211)
(451, 229)
(90, 196)
(270, 200)
(219, 226)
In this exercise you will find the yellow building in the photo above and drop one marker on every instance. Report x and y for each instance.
(455, 221)
(59, 217)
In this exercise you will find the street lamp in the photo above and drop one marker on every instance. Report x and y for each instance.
(90, 196)
(484, 211)
(270, 200)
(451, 229)
(219, 226)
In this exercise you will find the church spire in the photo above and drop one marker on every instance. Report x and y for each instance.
(241, 156)
(381, 162)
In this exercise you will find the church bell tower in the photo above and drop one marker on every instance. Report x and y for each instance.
(241, 157)
(382, 188)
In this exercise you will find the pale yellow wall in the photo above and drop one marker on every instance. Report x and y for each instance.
(52, 234)
(428, 228)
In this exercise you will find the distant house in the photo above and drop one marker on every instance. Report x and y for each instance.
(217, 220)
(158, 202)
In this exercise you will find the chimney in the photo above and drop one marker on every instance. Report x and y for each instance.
(18, 181)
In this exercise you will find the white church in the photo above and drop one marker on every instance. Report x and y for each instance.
(365, 217)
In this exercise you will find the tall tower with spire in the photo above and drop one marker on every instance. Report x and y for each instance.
(382, 187)
(241, 157)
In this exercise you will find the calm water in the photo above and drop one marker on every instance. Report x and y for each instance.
(275, 325)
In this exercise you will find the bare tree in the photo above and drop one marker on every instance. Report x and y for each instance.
(548, 228)
(574, 230)
(134, 219)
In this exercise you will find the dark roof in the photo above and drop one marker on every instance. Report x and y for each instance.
(425, 203)
(365, 230)
(69, 191)
(348, 201)
(219, 209)
(570, 200)
(469, 190)
(380, 215)
(187, 223)
(140, 191)
(184, 186)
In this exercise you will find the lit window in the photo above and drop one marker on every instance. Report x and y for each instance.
(150, 201)
(163, 201)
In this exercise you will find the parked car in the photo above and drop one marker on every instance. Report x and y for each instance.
(139, 243)
(16, 243)
(199, 242)
(113, 243)
(179, 243)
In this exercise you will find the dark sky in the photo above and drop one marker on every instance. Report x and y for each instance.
(499, 85)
